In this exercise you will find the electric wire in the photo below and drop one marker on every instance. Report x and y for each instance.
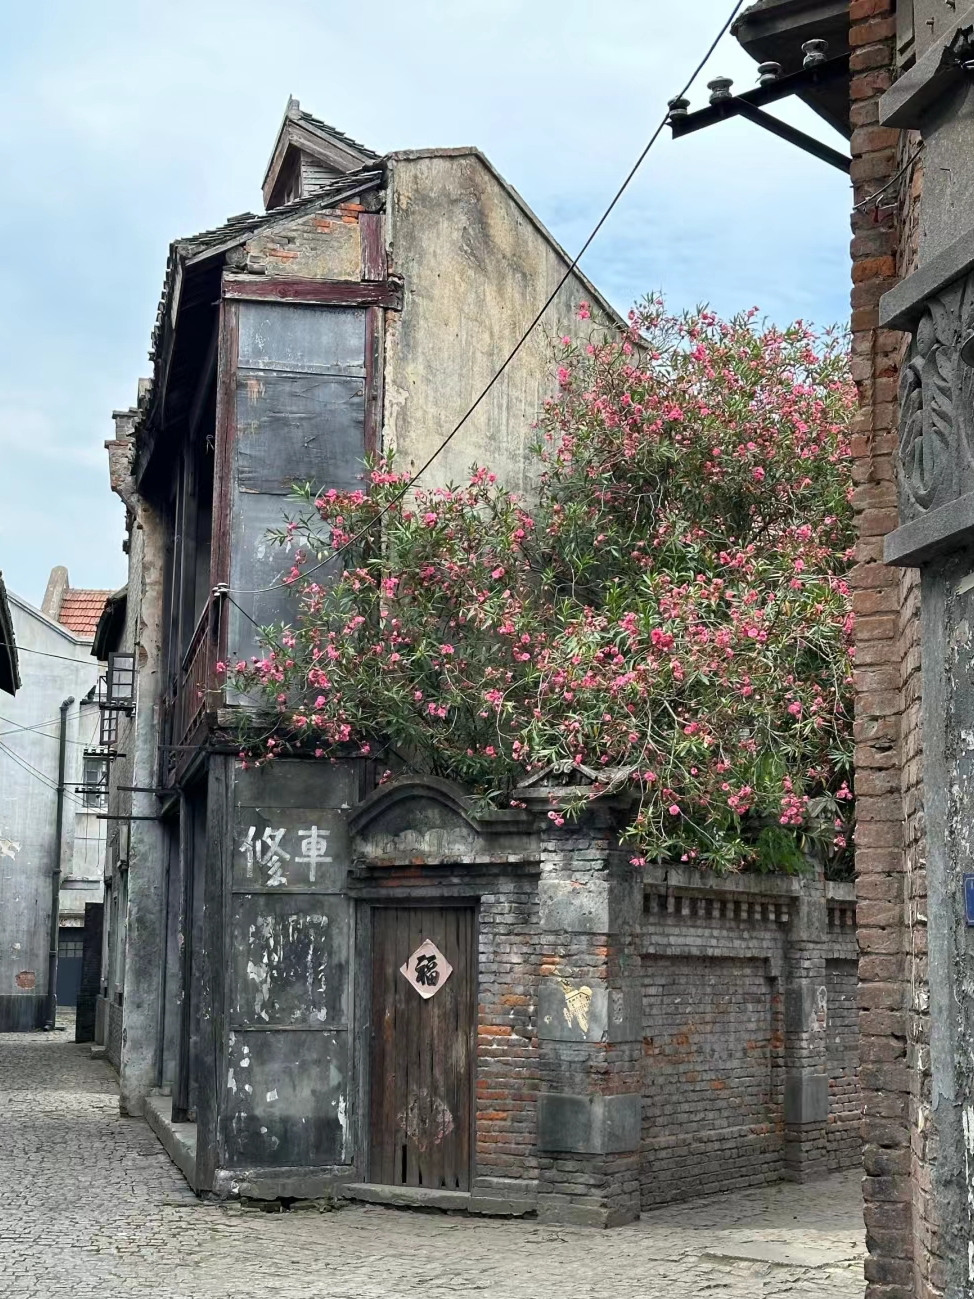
(37, 728)
(66, 658)
(524, 337)
(45, 780)
(861, 207)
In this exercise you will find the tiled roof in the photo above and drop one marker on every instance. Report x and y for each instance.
(237, 229)
(80, 611)
(247, 223)
(316, 124)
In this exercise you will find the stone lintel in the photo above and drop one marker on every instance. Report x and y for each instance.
(903, 305)
(589, 1125)
(948, 528)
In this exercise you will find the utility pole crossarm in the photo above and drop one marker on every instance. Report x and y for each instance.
(750, 104)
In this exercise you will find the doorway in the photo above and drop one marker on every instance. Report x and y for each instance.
(424, 1006)
(70, 950)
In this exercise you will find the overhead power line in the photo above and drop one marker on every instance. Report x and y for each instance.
(47, 781)
(38, 728)
(25, 649)
(527, 333)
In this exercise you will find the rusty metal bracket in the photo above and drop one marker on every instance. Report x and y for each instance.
(751, 103)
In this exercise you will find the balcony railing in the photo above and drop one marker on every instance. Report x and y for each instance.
(186, 704)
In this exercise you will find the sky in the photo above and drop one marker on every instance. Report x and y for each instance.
(125, 124)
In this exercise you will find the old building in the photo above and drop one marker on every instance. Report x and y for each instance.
(52, 789)
(314, 981)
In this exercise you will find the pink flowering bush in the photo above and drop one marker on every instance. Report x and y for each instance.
(671, 610)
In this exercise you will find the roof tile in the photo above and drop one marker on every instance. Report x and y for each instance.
(81, 610)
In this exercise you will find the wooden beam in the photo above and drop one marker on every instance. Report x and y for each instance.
(373, 247)
(336, 293)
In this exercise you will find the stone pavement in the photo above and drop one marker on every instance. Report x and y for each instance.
(91, 1206)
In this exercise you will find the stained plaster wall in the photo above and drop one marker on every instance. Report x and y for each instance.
(477, 266)
(136, 849)
(54, 665)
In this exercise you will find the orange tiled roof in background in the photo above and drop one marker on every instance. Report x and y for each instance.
(80, 611)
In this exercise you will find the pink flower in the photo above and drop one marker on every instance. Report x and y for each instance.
(221, 666)
(674, 809)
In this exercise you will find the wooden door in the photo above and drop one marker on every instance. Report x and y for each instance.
(423, 1035)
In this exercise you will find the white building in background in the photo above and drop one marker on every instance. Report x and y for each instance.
(54, 646)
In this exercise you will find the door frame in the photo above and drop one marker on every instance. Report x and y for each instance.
(365, 906)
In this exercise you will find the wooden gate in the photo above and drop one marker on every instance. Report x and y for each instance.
(423, 1034)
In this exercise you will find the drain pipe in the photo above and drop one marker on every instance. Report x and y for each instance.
(56, 872)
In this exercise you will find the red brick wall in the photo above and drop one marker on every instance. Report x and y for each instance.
(890, 879)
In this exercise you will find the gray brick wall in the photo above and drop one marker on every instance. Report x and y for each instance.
(713, 958)
(711, 1082)
(844, 1144)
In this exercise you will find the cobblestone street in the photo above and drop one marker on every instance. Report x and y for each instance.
(91, 1206)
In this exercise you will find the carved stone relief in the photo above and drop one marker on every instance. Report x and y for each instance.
(936, 395)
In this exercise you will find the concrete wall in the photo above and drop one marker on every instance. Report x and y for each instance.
(54, 665)
(135, 860)
(477, 267)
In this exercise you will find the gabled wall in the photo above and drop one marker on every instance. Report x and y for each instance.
(477, 266)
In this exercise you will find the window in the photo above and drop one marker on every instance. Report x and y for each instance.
(121, 678)
(70, 944)
(94, 789)
(108, 728)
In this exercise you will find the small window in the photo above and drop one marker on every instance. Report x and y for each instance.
(94, 788)
(70, 944)
(108, 728)
(121, 678)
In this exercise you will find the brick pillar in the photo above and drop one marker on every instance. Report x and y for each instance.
(589, 1027)
(886, 654)
(806, 1019)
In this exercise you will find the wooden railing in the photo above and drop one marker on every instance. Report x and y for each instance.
(186, 704)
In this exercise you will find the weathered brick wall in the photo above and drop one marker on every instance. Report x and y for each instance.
(580, 956)
(714, 1037)
(712, 1095)
(889, 858)
(845, 1104)
(508, 1076)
